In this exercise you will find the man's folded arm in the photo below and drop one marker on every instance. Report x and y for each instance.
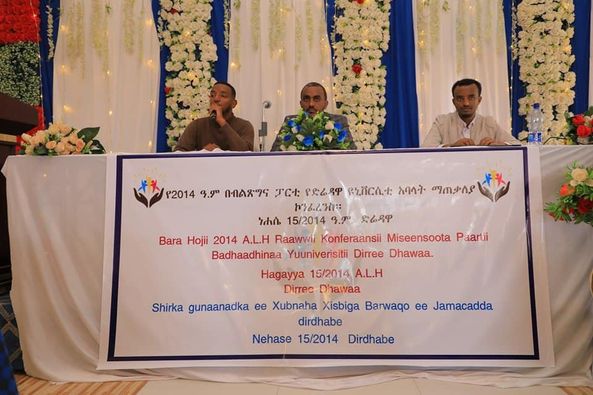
(241, 139)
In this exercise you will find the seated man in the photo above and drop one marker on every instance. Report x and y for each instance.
(221, 129)
(314, 101)
(465, 126)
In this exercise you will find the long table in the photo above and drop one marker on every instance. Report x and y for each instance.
(57, 235)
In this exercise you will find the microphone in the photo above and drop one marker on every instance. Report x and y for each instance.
(213, 114)
(267, 104)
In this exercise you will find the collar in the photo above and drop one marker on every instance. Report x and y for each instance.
(462, 122)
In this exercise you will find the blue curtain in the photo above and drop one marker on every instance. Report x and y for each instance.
(581, 50)
(401, 126)
(47, 65)
(161, 127)
(221, 68)
(517, 88)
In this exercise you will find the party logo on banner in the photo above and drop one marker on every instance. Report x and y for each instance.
(493, 185)
(148, 192)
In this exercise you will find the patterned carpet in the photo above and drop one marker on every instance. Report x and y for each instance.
(31, 386)
(578, 390)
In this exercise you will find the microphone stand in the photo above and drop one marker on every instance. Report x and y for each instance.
(263, 131)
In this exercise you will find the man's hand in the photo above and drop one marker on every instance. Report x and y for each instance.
(210, 147)
(219, 117)
(487, 141)
(490, 141)
(462, 142)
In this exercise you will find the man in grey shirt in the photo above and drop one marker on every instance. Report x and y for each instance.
(464, 126)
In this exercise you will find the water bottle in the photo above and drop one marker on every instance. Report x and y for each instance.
(536, 121)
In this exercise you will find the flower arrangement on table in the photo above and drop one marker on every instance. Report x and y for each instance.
(60, 139)
(575, 202)
(579, 127)
(319, 132)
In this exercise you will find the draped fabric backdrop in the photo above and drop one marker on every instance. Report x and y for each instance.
(275, 48)
(50, 20)
(464, 40)
(82, 95)
(106, 71)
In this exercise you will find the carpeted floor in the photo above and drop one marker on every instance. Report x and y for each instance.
(29, 385)
(32, 386)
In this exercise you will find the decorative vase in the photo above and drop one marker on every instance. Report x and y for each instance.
(583, 140)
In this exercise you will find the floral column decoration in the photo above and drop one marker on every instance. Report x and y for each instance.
(545, 57)
(184, 28)
(362, 37)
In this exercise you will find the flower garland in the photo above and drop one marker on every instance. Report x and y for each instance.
(100, 14)
(184, 27)
(545, 57)
(50, 32)
(278, 21)
(362, 36)
(74, 35)
(130, 26)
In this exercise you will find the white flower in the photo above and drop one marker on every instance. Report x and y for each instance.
(185, 33)
(545, 58)
(365, 35)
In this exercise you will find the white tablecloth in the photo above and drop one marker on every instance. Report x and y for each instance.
(56, 220)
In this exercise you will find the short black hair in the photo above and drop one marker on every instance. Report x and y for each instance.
(233, 91)
(314, 84)
(467, 82)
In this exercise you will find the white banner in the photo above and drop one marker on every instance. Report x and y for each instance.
(408, 257)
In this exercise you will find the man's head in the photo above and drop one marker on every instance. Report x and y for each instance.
(223, 94)
(467, 96)
(313, 98)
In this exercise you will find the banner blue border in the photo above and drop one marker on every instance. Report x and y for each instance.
(111, 357)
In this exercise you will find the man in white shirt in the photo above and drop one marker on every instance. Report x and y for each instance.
(464, 126)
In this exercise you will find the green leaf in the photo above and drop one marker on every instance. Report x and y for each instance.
(87, 134)
(97, 147)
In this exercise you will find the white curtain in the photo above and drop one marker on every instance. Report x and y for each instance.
(458, 39)
(106, 71)
(276, 47)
